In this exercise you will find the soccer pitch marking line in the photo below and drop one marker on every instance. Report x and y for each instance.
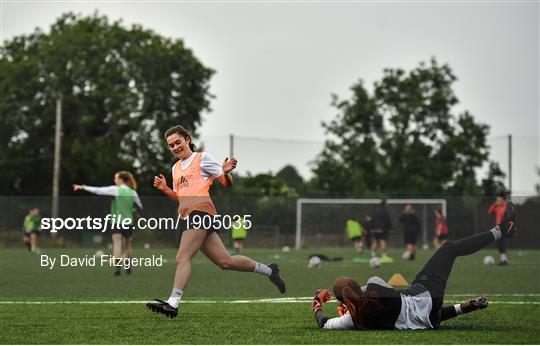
(286, 300)
(218, 302)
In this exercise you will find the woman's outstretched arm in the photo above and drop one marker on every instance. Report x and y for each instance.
(343, 322)
(98, 190)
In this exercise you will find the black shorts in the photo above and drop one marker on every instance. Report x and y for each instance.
(238, 239)
(124, 231)
(410, 238)
(357, 238)
(27, 234)
(203, 215)
(379, 234)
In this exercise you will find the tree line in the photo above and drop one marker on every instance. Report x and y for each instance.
(122, 86)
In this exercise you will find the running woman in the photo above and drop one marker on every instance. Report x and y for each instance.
(378, 305)
(192, 177)
(125, 197)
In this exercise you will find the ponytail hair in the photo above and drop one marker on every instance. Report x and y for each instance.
(364, 307)
(180, 130)
(128, 178)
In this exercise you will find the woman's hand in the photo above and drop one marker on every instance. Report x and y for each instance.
(160, 182)
(77, 187)
(321, 296)
(229, 164)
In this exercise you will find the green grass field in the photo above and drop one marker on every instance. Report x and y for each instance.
(88, 305)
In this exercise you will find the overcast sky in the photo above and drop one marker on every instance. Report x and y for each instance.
(278, 63)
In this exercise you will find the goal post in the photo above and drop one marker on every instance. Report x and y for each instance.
(363, 201)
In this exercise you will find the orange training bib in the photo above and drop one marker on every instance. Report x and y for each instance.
(192, 190)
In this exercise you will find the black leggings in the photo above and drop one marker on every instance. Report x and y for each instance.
(436, 271)
(501, 245)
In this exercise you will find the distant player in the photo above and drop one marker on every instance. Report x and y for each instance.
(411, 230)
(441, 229)
(367, 224)
(382, 225)
(193, 174)
(378, 305)
(122, 207)
(239, 235)
(31, 230)
(354, 232)
(497, 209)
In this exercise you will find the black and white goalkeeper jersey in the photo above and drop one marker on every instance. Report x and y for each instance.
(408, 309)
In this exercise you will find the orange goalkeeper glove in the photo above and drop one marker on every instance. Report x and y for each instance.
(321, 296)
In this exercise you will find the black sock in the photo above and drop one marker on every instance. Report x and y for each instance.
(448, 312)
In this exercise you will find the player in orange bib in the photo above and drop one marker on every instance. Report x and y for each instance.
(193, 175)
(498, 208)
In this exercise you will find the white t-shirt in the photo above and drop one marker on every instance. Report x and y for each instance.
(111, 190)
(343, 322)
(210, 168)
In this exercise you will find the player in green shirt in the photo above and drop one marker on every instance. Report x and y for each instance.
(354, 232)
(31, 229)
(239, 234)
(125, 198)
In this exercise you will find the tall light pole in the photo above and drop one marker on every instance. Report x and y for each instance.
(231, 145)
(57, 156)
(509, 165)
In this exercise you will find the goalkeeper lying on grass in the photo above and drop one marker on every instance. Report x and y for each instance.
(378, 305)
